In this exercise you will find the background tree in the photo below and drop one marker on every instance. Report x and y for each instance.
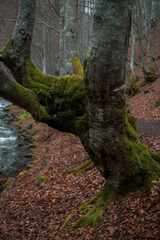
(145, 24)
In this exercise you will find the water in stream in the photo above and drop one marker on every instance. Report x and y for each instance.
(13, 147)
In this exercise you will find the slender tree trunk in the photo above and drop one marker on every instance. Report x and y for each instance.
(140, 32)
(81, 15)
(148, 11)
(68, 35)
(43, 49)
(133, 35)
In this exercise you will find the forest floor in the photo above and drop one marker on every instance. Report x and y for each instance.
(36, 203)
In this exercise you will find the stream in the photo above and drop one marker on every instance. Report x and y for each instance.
(15, 146)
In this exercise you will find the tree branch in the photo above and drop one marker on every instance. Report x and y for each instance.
(59, 102)
(22, 97)
(36, 21)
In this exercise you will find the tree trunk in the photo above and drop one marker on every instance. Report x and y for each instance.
(68, 35)
(113, 143)
(133, 35)
(106, 130)
(140, 33)
(43, 48)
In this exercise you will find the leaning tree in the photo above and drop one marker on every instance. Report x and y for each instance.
(94, 108)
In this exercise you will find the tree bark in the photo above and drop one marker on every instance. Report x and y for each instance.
(113, 143)
(68, 35)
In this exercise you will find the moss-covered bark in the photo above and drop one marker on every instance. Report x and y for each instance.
(63, 97)
(93, 208)
(138, 168)
(58, 101)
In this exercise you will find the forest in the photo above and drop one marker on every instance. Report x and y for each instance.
(80, 119)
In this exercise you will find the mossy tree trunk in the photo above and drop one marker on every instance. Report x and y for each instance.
(113, 143)
(104, 127)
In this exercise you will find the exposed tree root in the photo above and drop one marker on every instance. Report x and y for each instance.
(88, 165)
(66, 221)
(155, 156)
(93, 208)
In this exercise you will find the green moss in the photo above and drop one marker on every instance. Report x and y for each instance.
(29, 165)
(132, 121)
(46, 150)
(9, 107)
(81, 124)
(23, 115)
(21, 173)
(37, 76)
(92, 95)
(5, 47)
(55, 223)
(157, 102)
(139, 169)
(143, 84)
(92, 216)
(17, 124)
(132, 89)
(155, 156)
(57, 100)
(77, 66)
(151, 76)
(2, 202)
(93, 213)
(66, 221)
(82, 168)
(5, 185)
(40, 179)
(29, 102)
(33, 131)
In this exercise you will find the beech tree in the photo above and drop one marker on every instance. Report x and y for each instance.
(94, 108)
(68, 35)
